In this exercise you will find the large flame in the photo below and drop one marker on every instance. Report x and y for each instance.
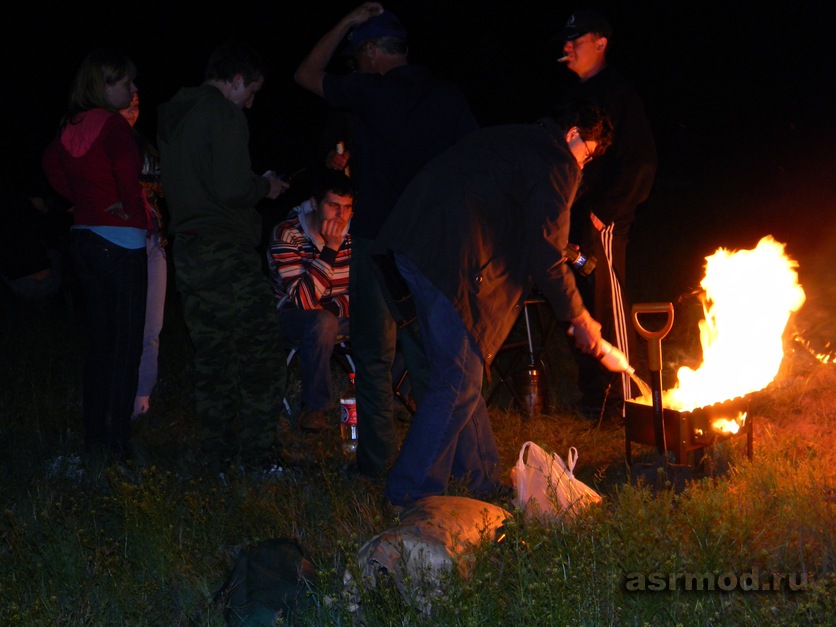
(748, 298)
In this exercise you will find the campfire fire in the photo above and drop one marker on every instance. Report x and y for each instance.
(747, 301)
(823, 357)
(724, 425)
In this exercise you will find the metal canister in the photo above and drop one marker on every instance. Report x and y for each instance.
(531, 391)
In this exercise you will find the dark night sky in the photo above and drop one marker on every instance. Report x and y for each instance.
(740, 96)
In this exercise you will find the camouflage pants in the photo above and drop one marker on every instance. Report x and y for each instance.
(239, 360)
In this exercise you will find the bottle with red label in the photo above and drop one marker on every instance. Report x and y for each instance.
(348, 418)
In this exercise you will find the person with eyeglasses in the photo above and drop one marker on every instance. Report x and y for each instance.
(613, 188)
(471, 234)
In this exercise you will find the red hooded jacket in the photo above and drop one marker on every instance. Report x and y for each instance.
(95, 163)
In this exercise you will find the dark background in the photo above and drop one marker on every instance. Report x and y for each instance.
(741, 100)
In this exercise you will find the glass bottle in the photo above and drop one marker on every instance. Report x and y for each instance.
(348, 418)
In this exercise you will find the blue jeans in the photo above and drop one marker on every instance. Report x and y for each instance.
(451, 433)
(154, 310)
(314, 333)
(113, 284)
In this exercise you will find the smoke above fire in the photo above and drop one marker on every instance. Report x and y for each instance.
(748, 297)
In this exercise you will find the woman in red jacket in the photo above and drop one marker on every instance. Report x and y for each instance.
(95, 162)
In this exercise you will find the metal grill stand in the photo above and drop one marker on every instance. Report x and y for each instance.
(676, 432)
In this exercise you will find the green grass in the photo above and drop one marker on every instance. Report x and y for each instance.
(84, 542)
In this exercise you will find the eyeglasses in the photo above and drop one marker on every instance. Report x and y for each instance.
(588, 156)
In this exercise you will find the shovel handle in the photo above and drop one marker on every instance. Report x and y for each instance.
(654, 344)
(654, 360)
(653, 308)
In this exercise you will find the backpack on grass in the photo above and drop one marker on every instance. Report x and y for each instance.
(269, 579)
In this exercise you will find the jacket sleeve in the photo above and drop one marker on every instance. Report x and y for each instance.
(125, 158)
(622, 178)
(547, 234)
(339, 305)
(51, 164)
(236, 183)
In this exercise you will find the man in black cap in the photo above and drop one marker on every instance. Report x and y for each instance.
(402, 117)
(613, 187)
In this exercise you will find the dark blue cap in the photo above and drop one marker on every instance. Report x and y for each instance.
(383, 25)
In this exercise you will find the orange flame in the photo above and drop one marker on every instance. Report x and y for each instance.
(749, 296)
(726, 425)
(825, 358)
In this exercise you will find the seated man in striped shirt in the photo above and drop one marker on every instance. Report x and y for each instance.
(308, 259)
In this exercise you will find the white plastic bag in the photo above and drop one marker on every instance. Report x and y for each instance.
(545, 485)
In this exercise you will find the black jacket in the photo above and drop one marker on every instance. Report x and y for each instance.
(621, 179)
(488, 217)
(401, 120)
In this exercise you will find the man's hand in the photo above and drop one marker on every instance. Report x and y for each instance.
(361, 14)
(599, 226)
(311, 71)
(337, 161)
(277, 185)
(118, 210)
(332, 232)
(587, 333)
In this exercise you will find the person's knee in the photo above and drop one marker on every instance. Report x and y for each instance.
(324, 327)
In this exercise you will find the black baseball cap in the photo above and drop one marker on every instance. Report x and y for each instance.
(582, 22)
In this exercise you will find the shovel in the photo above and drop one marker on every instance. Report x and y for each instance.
(654, 359)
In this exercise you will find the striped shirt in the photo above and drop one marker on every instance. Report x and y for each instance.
(303, 272)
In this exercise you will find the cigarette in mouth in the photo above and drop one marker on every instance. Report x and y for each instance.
(563, 59)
